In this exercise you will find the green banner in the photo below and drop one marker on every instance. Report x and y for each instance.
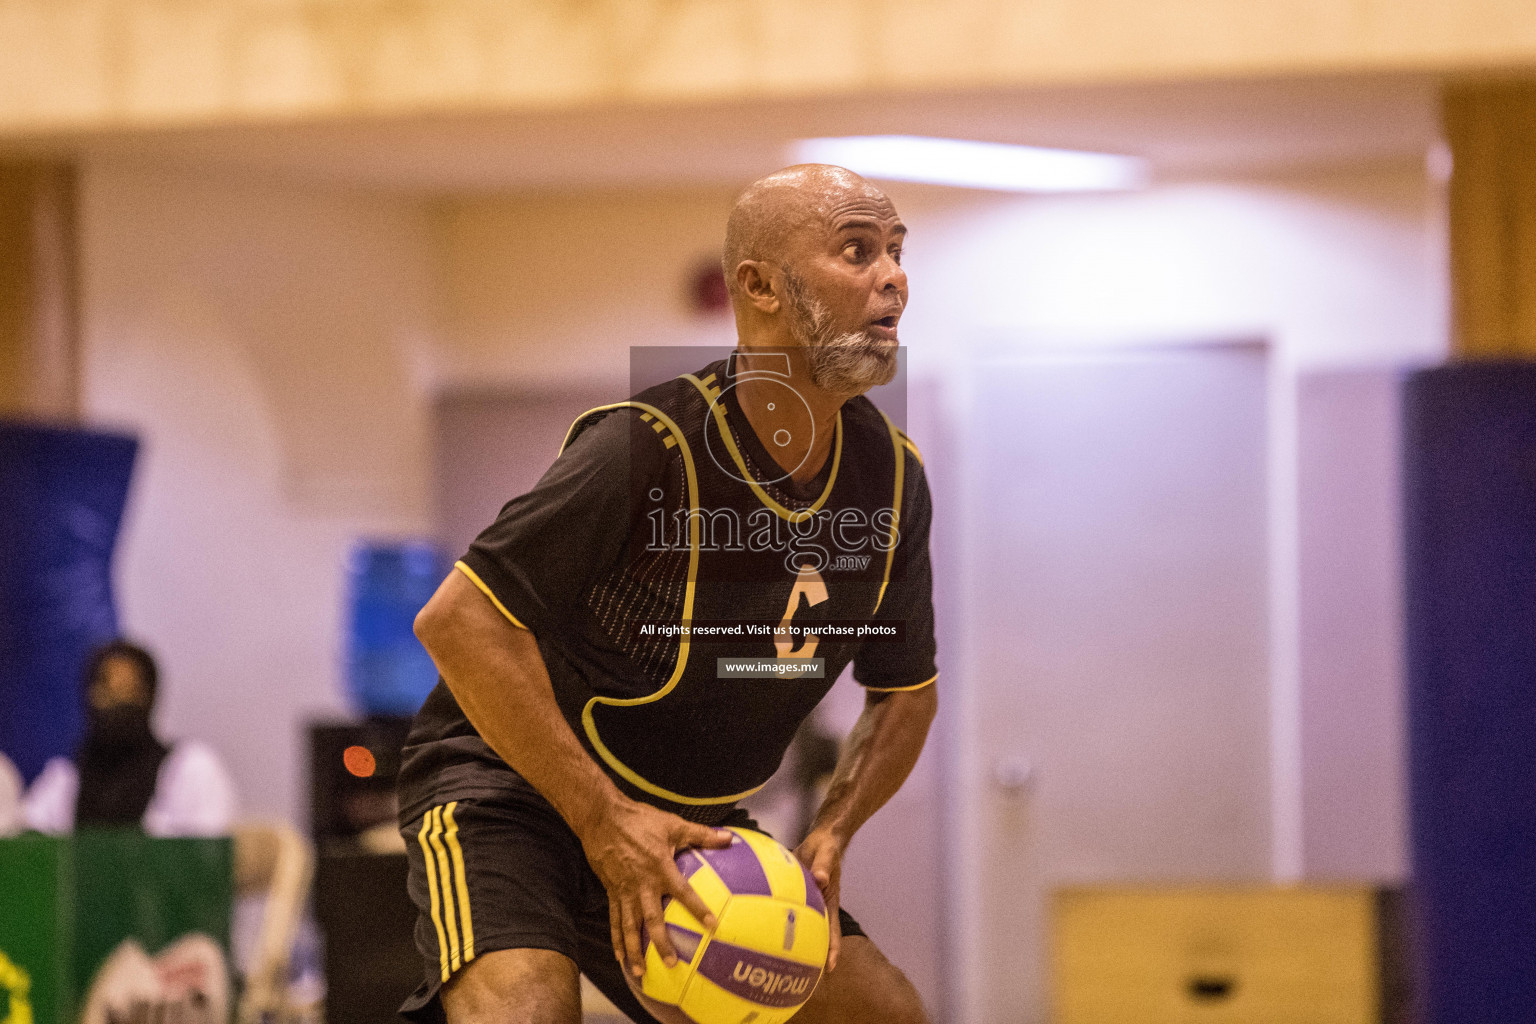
(67, 903)
(36, 930)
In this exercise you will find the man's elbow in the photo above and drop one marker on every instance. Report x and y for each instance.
(434, 618)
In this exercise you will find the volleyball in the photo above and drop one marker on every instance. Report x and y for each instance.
(765, 955)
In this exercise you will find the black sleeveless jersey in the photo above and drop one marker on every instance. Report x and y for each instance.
(691, 602)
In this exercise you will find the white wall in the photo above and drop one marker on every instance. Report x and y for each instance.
(552, 289)
(261, 340)
(1340, 268)
(1352, 696)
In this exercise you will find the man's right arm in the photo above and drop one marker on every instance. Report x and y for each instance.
(498, 677)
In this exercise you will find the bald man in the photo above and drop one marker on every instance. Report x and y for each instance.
(572, 747)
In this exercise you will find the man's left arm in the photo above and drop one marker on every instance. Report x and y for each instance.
(876, 759)
(900, 702)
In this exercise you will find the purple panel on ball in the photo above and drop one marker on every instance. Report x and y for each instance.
(738, 867)
(688, 862)
(686, 942)
(813, 892)
(757, 977)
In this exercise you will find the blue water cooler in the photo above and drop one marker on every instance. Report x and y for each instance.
(388, 671)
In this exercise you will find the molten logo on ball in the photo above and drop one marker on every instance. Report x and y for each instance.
(771, 983)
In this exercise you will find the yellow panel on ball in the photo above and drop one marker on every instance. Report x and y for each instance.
(667, 983)
(780, 927)
(706, 1001)
(714, 892)
(785, 876)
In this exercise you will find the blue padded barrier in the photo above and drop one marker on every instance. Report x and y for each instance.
(61, 503)
(1470, 518)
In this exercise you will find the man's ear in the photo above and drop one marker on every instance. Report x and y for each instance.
(758, 281)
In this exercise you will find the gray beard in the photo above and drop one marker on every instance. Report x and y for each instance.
(847, 364)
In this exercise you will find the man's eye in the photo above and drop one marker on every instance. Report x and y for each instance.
(854, 250)
(896, 255)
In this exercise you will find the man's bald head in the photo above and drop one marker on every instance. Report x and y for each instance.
(772, 211)
(813, 261)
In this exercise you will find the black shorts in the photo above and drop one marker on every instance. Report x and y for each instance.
(508, 873)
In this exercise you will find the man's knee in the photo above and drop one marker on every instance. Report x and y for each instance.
(866, 988)
(514, 986)
(897, 1002)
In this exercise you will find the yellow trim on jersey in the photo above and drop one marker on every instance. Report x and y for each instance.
(600, 408)
(911, 447)
(898, 445)
(695, 530)
(712, 397)
(460, 880)
(437, 918)
(903, 689)
(478, 582)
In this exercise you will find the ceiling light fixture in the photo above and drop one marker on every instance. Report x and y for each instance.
(969, 164)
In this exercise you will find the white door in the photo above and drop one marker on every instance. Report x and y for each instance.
(1115, 725)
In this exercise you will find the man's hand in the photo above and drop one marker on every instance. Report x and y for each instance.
(822, 855)
(631, 849)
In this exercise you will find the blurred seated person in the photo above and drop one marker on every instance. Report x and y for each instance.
(123, 775)
(11, 819)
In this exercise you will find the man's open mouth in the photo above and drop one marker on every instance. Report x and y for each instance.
(884, 328)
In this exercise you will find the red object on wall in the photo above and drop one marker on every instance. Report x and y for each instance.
(707, 290)
(359, 761)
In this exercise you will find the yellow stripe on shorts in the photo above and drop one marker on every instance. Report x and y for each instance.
(460, 881)
(445, 886)
(437, 918)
